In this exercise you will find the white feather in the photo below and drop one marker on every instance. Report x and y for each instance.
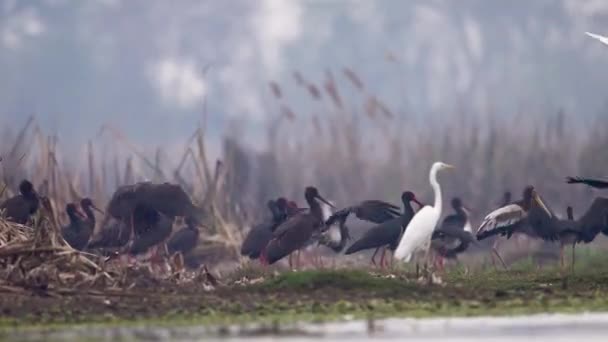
(598, 37)
(501, 217)
(327, 210)
(418, 233)
(467, 227)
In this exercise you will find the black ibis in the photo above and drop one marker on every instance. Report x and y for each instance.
(260, 234)
(185, 239)
(595, 183)
(19, 208)
(75, 233)
(87, 204)
(386, 234)
(455, 234)
(150, 227)
(418, 233)
(297, 230)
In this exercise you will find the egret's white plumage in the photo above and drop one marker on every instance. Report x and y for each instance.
(418, 233)
(598, 37)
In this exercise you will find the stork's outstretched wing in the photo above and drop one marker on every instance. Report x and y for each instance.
(595, 183)
(371, 210)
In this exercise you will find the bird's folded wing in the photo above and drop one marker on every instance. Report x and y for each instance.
(502, 217)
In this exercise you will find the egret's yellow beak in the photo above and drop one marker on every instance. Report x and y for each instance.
(448, 166)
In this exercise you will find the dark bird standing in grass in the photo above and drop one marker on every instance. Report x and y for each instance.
(387, 233)
(75, 233)
(594, 183)
(185, 239)
(87, 204)
(297, 230)
(455, 233)
(260, 234)
(19, 208)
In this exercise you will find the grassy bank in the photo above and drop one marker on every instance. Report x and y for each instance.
(320, 296)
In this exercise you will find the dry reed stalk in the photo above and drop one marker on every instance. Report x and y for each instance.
(314, 91)
(123, 139)
(91, 164)
(297, 76)
(275, 89)
(353, 78)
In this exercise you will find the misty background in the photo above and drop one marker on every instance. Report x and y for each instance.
(372, 92)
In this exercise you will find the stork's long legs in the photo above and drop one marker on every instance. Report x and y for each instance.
(382, 258)
(561, 255)
(573, 246)
(374, 256)
(495, 251)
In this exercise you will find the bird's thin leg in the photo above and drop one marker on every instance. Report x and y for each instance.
(382, 258)
(427, 256)
(298, 259)
(573, 246)
(290, 260)
(495, 251)
(374, 257)
(561, 254)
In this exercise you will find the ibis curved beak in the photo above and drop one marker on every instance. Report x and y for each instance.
(98, 210)
(325, 201)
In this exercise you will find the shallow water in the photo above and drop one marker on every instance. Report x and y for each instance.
(554, 327)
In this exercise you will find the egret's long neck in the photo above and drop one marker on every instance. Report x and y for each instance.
(436, 189)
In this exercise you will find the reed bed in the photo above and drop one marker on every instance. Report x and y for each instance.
(342, 138)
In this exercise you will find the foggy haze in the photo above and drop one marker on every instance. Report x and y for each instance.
(140, 64)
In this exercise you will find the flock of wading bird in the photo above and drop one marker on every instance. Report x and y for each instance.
(139, 224)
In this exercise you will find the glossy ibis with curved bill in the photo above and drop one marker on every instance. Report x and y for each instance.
(76, 233)
(259, 235)
(19, 208)
(168, 199)
(185, 239)
(86, 204)
(418, 233)
(297, 230)
(455, 233)
(386, 234)
(592, 182)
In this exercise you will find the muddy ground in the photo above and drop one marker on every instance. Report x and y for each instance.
(315, 295)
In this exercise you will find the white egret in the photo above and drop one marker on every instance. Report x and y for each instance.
(418, 233)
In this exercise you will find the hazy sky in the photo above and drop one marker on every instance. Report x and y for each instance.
(139, 64)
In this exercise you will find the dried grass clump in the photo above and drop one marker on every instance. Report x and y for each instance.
(37, 257)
